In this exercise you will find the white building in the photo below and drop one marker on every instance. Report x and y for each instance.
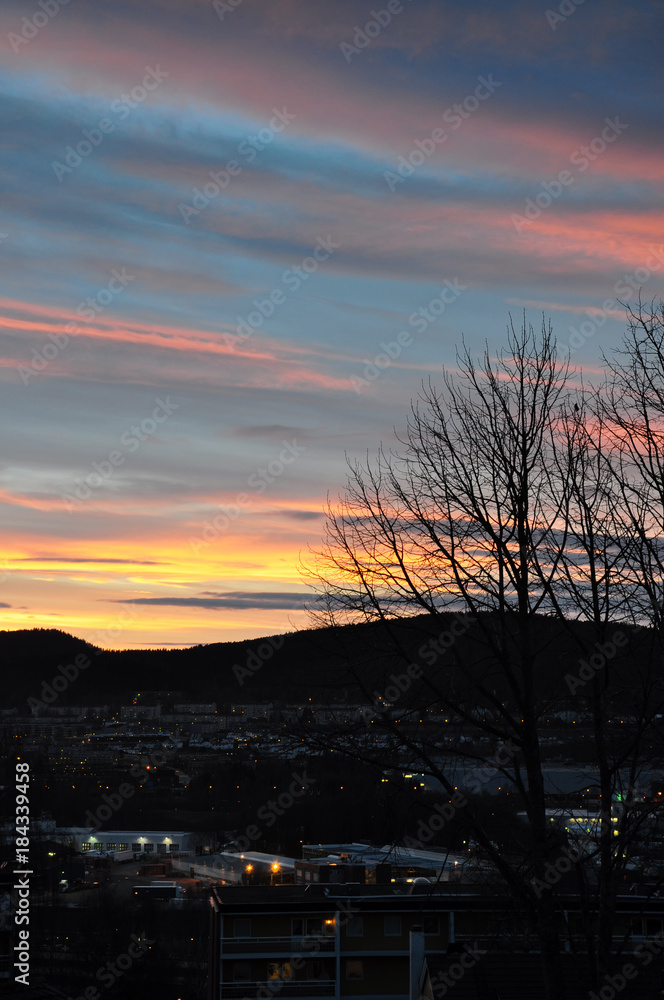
(145, 841)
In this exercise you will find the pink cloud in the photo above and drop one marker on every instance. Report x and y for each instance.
(261, 363)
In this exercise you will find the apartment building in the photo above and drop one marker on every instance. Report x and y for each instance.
(408, 942)
(351, 941)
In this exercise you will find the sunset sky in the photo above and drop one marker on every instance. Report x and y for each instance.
(170, 357)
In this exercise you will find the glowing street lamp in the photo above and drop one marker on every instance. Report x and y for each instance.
(275, 868)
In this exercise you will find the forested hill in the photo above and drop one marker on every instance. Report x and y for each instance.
(321, 664)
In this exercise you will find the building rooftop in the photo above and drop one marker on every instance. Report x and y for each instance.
(396, 855)
(257, 857)
(456, 895)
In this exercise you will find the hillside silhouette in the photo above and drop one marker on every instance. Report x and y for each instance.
(323, 664)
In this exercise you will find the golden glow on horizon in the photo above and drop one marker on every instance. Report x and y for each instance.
(50, 583)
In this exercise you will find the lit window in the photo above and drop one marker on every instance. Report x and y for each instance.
(279, 970)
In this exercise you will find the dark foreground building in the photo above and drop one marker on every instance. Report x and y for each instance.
(409, 942)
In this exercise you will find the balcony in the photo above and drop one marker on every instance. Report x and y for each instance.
(278, 988)
(313, 943)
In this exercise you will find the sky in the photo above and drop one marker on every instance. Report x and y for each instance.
(235, 238)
